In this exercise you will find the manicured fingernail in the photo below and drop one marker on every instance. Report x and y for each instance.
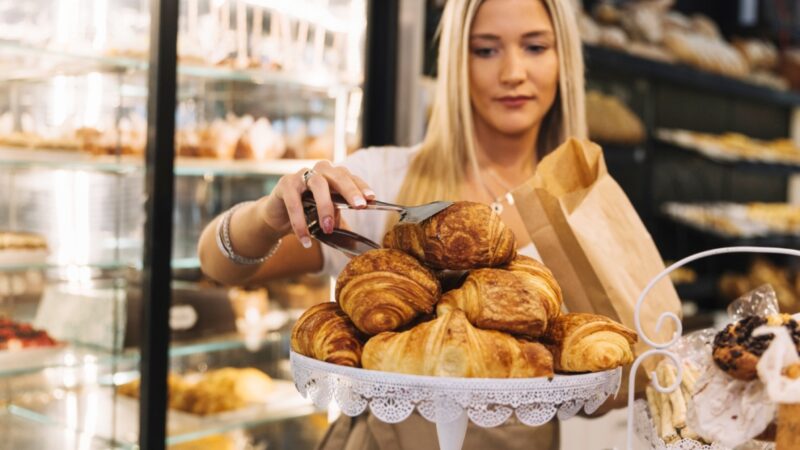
(306, 241)
(359, 201)
(327, 224)
(369, 193)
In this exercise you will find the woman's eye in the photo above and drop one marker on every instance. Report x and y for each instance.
(536, 48)
(483, 52)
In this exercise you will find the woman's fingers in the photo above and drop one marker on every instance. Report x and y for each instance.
(341, 180)
(294, 187)
(365, 189)
(318, 185)
(324, 179)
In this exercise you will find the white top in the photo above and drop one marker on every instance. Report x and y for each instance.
(383, 169)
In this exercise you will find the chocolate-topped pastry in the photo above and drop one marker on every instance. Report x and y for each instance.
(737, 351)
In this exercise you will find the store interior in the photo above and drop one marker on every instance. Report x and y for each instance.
(694, 104)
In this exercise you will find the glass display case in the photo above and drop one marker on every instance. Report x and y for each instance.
(264, 88)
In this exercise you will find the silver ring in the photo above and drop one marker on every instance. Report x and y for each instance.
(308, 174)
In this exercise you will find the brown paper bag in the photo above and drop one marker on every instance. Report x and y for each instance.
(589, 235)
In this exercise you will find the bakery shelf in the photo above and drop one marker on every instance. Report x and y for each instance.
(50, 62)
(775, 168)
(20, 158)
(80, 410)
(17, 431)
(634, 66)
(771, 240)
(177, 264)
(77, 357)
(202, 167)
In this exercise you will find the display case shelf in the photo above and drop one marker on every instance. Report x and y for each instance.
(78, 410)
(775, 168)
(50, 62)
(634, 66)
(77, 356)
(18, 431)
(771, 240)
(19, 158)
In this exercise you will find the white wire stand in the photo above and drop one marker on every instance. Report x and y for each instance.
(661, 348)
(449, 402)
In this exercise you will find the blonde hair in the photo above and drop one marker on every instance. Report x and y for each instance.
(449, 146)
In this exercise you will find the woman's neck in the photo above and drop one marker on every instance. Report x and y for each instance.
(511, 157)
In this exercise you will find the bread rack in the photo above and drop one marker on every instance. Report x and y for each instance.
(449, 402)
(662, 348)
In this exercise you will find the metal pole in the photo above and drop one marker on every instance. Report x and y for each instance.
(159, 185)
(380, 84)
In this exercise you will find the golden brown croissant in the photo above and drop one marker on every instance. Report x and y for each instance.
(324, 332)
(450, 346)
(384, 289)
(496, 299)
(538, 278)
(589, 343)
(466, 235)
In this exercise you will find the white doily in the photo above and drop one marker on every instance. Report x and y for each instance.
(646, 430)
(392, 397)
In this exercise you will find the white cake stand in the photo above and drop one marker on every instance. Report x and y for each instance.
(451, 402)
(636, 420)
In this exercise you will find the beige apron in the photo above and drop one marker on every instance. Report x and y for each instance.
(365, 432)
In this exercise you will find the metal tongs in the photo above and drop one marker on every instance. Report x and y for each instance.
(353, 244)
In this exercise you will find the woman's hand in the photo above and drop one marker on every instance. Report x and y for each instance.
(284, 209)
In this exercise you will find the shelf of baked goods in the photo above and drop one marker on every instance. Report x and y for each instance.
(17, 158)
(201, 404)
(740, 151)
(25, 349)
(41, 264)
(657, 41)
(770, 224)
(598, 57)
(42, 63)
(234, 145)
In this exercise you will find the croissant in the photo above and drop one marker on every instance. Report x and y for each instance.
(538, 278)
(466, 235)
(496, 299)
(450, 346)
(384, 289)
(589, 343)
(324, 332)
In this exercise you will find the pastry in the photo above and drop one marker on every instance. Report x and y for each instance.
(228, 389)
(260, 142)
(384, 289)
(495, 299)
(537, 277)
(737, 352)
(451, 346)
(788, 422)
(324, 332)
(589, 343)
(16, 336)
(16, 240)
(609, 120)
(519, 299)
(216, 391)
(467, 235)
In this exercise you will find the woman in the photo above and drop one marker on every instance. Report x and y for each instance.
(510, 89)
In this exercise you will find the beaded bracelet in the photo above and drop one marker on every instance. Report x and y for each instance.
(226, 247)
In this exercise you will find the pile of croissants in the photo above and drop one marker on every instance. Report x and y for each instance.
(504, 320)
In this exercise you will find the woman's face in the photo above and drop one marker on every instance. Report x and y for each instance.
(513, 65)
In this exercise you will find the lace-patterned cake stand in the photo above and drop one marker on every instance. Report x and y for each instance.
(451, 402)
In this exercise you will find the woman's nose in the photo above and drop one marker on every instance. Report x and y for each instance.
(512, 71)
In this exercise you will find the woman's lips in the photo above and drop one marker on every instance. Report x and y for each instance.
(515, 101)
